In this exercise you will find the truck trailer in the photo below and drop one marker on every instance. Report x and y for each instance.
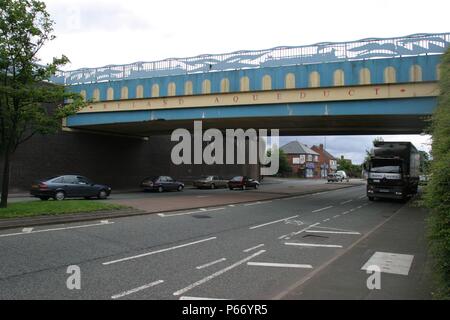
(393, 170)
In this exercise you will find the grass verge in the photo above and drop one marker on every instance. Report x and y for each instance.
(39, 208)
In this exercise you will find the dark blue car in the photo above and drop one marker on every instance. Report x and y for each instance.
(161, 183)
(69, 186)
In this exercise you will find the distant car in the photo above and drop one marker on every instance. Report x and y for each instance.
(242, 182)
(161, 183)
(68, 186)
(211, 182)
(333, 177)
(343, 175)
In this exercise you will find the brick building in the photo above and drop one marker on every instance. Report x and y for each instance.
(327, 162)
(303, 161)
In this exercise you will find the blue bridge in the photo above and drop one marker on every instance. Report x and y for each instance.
(369, 86)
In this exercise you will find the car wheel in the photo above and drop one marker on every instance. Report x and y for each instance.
(180, 188)
(244, 187)
(102, 194)
(44, 198)
(60, 196)
(160, 189)
(256, 186)
(213, 186)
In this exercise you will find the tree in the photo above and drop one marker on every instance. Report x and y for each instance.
(283, 163)
(29, 104)
(437, 191)
(424, 162)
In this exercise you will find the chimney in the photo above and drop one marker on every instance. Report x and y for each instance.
(321, 147)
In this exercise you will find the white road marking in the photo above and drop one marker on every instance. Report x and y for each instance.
(336, 216)
(231, 205)
(322, 209)
(257, 202)
(216, 274)
(253, 248)
(158, 251)
(210, 264)
(272, 222)
(362, 197)
(198, 298)
(312, 245)
(390, 262)
(126, 293)
(280, 265)
(27, 230)
(289, 235)
(345, 212)
(54, 229)
(326, 220)
(359, 207)
(104, 221)
(333, 232)
(346, 201)
(203, 210)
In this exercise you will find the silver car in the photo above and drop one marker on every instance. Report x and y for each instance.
(210, 182)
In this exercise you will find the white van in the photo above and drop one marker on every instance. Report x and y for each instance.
(343, 175)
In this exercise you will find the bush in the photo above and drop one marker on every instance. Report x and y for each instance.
(437, 191)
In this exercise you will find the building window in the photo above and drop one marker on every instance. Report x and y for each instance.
(124, 93)
(266, 82)
(139, 92)
(110, 94)
(171, 89)
(96, 95)
(309, 157)
(206, 86)
(415, 73)
(245, 84)
(338, 78)
(188, 88)
(155, 90)
(225, 85)
(364, 76)
(314, 79)
(390, 75)
(289, 81)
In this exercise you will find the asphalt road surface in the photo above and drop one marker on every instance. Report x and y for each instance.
(258, 250)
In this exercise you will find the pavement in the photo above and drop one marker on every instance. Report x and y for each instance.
(309, 246)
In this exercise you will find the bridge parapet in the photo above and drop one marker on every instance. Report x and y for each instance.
(372, 48)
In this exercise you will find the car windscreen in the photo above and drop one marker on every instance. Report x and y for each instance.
(386, 166)
(238, 178)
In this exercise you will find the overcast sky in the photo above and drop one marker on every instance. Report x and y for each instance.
(103, 32)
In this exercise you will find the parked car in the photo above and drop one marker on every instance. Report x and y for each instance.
(242, 182)
(161, 183)
(333, 177)
(343, 175)
(68, 186)
(211, 182)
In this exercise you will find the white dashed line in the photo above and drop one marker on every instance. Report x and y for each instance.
(210, 264)
(216, 274)
(362, 197)
(253, 248)
(298, 232)
(332, 232)
(346, 201)
(326, 220)
(336, 216)
(202, 210)
(158, 251)
(312, 245)
(55, 229)
(280, 265)
(198, 298)
(322, 209)
(272, 222)
(126, 293)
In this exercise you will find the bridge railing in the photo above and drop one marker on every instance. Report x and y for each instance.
(372, 48)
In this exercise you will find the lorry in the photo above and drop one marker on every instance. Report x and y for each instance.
(393, 170)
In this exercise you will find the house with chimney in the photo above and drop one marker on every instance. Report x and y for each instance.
(327, 162)
(303, 161)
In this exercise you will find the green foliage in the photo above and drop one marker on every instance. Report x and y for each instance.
(284, 167)
(437, 191)
(37, 208)
(25, 93)
(346, 165)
